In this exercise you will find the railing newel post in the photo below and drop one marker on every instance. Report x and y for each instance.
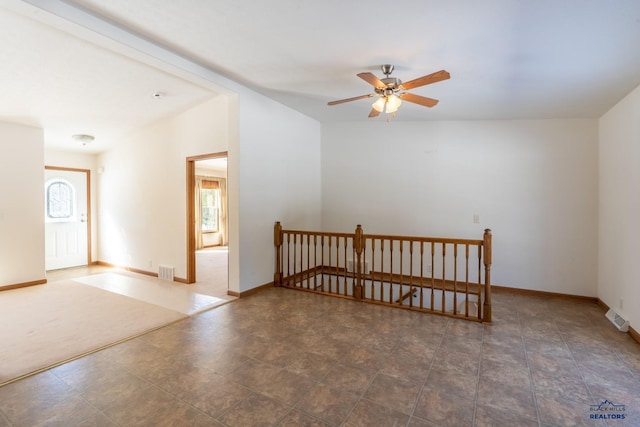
(277, 241)
(486, 305)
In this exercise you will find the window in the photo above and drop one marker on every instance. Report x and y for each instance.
(210, 205)
(59, 203)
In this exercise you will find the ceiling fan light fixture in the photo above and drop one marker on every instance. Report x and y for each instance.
(393, 103)
(379, 104)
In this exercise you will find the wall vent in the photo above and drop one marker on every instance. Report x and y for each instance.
(165, 272)
(620, 324)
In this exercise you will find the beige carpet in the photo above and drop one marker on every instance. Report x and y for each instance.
(212, 276)
(46, 325)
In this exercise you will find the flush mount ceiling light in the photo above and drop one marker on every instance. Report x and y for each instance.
(391, 91)
(82, 138)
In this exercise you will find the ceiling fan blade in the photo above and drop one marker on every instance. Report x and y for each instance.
(372, 80)
(374, 113)
(425, 80)
(355, 98)
(420, 100)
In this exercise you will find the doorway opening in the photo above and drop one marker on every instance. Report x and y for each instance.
(207, 225)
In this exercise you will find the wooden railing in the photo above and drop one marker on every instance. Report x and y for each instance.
(438, 275)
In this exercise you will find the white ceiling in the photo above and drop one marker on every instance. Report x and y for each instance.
(217, 164)
(508, 59)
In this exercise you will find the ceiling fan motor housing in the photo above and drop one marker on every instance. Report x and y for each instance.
(392, 85)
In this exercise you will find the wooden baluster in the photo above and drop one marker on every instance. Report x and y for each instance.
(303, 270)
(354, 265)
(337, 267)
(411, 273)
(373, 268)
(322, 261)
(319, 262)
(288, 259)
(344, 271)
(300, 267)
(299, 257)
(301, 274)
(381, 270)
(337, 262)
(291, 259)
(455, 279)
(308, 259)
(329, 266)
(315, 262)
(363, 272)
(433, 267)
(466, 284)
(301, 261)
(401, 293)
(295, 259)
(391, 272)
(478, 312)
(487, 244)
(421, 274)
(298, 263)
(444, 255)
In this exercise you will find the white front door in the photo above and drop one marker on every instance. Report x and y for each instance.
(66, 220)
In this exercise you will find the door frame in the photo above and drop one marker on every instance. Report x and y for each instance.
(191, 214)
(87, 173)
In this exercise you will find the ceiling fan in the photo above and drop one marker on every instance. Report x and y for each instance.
(391, 91)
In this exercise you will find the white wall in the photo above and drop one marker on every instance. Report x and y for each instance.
(278, 178)
(142, 189)
(534, 183)
(78, 160)
(21, 204)
(619, 228)
(273, 174)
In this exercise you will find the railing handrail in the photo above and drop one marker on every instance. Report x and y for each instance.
(318, 233)
(459, 241)
(425, 239)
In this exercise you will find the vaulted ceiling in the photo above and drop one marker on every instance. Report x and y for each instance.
(75, 66)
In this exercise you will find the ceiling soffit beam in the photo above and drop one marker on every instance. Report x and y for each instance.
(105, 33)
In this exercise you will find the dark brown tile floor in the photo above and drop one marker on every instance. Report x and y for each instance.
(289, 358)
